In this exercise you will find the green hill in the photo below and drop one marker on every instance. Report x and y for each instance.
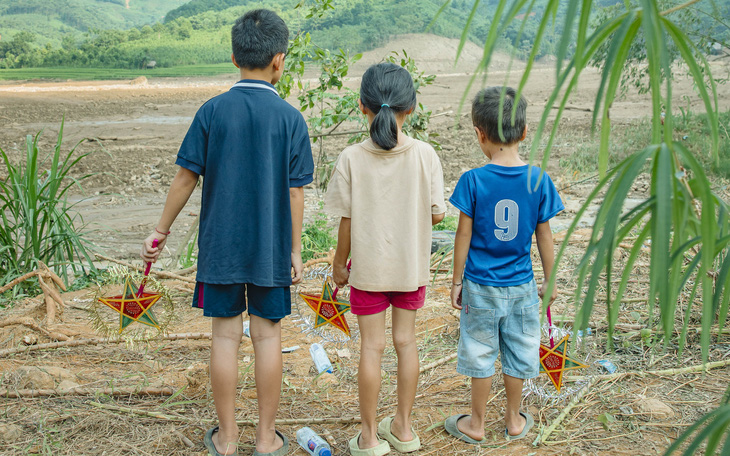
(50, 21)
(198, 32)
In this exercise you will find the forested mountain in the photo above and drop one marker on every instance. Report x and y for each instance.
(51, 20)
(198, 32)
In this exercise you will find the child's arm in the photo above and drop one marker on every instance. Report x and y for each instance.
(180, 190)
(461, 250)
(545, 247)
(436, 218)
(340, 274)
(296, 200)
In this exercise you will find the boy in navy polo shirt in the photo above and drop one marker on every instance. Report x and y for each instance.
(253, 149)
(502, 205)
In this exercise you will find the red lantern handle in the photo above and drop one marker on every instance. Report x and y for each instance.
(334, 293)
(146, 272)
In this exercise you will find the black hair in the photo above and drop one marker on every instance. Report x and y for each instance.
(257, 37)
(387, 89)
(485, 114)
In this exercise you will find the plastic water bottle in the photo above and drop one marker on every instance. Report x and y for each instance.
(319, 356)
(312, 443)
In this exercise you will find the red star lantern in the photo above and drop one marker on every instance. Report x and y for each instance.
(133, 305)
(328, 309)
(554, 361)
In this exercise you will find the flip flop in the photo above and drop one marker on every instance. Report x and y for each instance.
(380, 449)
(453, 429)
(529, 422)
(210, 446)
(399, 445)
(281, 451)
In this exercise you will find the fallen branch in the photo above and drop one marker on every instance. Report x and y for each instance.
(149, 391)
(161, 274)
(29, 323)
(615, 376)
(676, 371)
(20, 279)
(251, 422)
(99, 341)
(566, 410)
(437, 363)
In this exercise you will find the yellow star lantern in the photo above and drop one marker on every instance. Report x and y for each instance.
(328, 309)
(133, 305)
(554, 361)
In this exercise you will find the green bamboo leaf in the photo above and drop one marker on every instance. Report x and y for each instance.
(551, 7)
(566, 38)
(465, 33)
(438, 14)
(627, 274)
(661, 189)
(619, 39)
(680, 40)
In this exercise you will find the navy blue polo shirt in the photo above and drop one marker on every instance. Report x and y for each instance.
(251, 147)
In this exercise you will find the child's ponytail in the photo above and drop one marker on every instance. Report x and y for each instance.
(387, 90)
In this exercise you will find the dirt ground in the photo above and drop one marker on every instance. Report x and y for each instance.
(136, 130)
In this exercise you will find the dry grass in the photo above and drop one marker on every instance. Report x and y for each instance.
(75, 425)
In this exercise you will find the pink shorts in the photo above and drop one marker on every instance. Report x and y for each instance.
(373, 302)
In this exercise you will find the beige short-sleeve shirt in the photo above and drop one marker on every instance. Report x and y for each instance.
(389, 195)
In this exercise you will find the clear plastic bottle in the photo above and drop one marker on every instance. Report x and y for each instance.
(313, 443)
(319, 356)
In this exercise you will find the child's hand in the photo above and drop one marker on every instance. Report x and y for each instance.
(543, 289)
(150, 254)
(297, 268)
(341, 275)
(456, 295)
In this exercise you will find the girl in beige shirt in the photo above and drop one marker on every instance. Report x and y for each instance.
(388, 191)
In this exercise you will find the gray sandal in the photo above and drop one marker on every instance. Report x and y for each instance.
(529, 422)
(281, 451)
(452, 428)
(210, 446)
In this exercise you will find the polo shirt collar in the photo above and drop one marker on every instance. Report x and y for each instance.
(255, 84)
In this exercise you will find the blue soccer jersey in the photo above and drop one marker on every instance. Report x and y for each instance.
(251, 146)
(505, 211)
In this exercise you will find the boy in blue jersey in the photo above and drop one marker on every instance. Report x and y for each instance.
(502, 205)
(253, 149)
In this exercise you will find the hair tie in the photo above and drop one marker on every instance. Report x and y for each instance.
(385, 105)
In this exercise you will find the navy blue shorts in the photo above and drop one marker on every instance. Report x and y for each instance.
(229, 300)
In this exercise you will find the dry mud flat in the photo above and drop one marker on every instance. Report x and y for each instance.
(138, 129)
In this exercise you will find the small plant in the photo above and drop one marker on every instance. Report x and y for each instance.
(37, 223)
(189, 253)
(449, 223)
(317, 237)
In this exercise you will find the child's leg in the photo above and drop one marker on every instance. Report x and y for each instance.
(266, 338)
(224, 380)
(473, 425)
(404, 340)
(372, 345)
(512, 418)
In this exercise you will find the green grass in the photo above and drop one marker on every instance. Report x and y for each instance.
(317, 237)
(37, 223)
(449, 223)
(87, 74)
(692, 129)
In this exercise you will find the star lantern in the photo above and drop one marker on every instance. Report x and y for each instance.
(554, 361)
(328, 309)
(133, 305)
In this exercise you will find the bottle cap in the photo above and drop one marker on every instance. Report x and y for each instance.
(325, 452)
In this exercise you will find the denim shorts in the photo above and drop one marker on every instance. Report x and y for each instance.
(499, 319)
(229, 300)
